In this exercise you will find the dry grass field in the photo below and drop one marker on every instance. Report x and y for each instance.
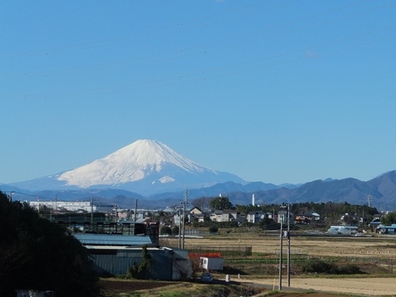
(321, 246)
(356, 286)
(375, 255)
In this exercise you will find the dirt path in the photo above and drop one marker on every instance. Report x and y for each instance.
(364, 286)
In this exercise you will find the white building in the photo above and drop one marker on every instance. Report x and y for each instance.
(256, 216)
(211, 263)
(75, 206)
(227, 216)
(282, 217)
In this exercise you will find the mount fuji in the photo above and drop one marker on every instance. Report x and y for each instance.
(155, 174)
(146, 167)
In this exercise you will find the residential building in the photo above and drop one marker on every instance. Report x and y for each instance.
(255, 216)
(227, 216)
(282, 217)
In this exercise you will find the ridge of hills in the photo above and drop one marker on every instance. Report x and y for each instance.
(381, 189)
(158, 176)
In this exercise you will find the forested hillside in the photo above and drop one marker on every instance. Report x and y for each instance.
(40, 255)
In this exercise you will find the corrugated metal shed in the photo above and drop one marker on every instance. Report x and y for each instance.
(165, 264)
(114, 254)
(112, 240)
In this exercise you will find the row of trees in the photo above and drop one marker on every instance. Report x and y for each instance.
(38, 254)
(331, 211)
(389, 219)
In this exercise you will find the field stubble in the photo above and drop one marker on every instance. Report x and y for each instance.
(375, 255)
(317, 246)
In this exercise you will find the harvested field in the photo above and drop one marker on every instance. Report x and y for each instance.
(375, 256)
(356, 286)
(312, 245)
(133, 288)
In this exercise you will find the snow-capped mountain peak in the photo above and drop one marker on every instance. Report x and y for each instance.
(146, 167)
(131, 163)
(147, 152)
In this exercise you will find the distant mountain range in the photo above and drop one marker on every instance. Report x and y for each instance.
(157, 176)
(146, 167)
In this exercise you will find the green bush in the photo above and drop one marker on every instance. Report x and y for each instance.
(175, 230)
(213, 229)
(320, 266)
(140, 271)
(165, 230)
(349, 269)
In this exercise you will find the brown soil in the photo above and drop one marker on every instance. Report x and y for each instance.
(315, 246)
(260, 287)
(301, 295)
(118, 286)
(253, 288)
(375, 256)
(354, 286)
(364, 251)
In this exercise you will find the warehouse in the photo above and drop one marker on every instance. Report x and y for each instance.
(115, 254)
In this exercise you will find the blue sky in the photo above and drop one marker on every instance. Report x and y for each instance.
(273, 91)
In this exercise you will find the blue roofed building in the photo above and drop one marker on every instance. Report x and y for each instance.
(114, 254)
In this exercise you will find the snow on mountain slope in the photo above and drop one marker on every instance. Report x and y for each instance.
(133, 163)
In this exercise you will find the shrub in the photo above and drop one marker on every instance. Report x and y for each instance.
(320, 266)
(140, 271)
(175, 230)
(165, 230)
(349, 269)
(213, 229)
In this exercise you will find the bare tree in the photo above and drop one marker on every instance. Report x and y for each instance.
(202, 203)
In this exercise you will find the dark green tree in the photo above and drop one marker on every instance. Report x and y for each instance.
(221, 203)
(213, 229)
(389, 219)
(175, 230)
(38, 254)
(140, 271)
(166, 230)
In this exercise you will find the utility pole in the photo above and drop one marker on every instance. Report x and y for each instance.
(180, 229)
(288, 245)
(369, 200)
(92, 213)
(134, 217)
(184, 215)
(38, 208)
(135, 213)
(280, 253)
(116, 214)
(10, 196)
(56, 206)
